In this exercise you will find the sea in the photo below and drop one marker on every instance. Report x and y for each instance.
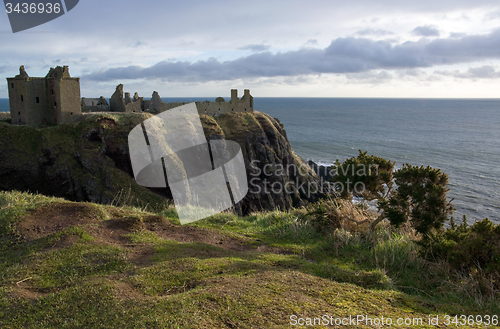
(459, 136)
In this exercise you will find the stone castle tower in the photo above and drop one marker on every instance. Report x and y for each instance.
(40, 101)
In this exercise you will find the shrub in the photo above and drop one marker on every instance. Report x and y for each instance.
(410, 194)
(329, 215)
(473, 249)
(420, 198)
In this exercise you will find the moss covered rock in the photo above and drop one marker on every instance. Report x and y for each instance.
(89, 161)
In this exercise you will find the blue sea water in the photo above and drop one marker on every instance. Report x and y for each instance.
(459, 136)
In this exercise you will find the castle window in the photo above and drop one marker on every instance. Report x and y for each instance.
(19, 113)
(72, 113)
(38, 99)
(245, 110)
(22, 98)
(52, 91)
(232, 109)
(55, 103)
(12, 84)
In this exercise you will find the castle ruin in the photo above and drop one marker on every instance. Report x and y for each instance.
(41, 101)
(120, 103)
(56, 99)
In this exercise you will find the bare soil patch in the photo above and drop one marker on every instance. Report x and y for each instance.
(53, 218)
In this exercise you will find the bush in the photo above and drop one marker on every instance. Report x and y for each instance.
(410, 194)
(420, 198)
(329, 215)
(473, 249)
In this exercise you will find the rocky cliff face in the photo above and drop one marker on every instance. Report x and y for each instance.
(89, 161)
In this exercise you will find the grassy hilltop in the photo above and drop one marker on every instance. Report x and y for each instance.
(83, 265)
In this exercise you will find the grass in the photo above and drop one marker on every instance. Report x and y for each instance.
(128, 268)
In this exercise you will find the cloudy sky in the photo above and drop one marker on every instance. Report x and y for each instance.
(384, 48)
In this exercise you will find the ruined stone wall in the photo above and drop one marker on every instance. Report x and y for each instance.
(54, 99)
(94, 104)
(116, 102)
(216, 108)
(18, 106)
(28, 101)
(220, 106)
(122, 102)
(133, 107)
(40, 101)
(69, 109)
(169, 106)
(36, 101)
(95, 108)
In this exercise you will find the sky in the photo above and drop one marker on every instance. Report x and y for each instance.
(275, 48)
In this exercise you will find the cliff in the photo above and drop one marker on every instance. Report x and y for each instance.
(89, 161)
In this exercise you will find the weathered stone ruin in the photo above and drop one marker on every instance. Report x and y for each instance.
(95, 104)
(122, 102)
(41, 101)
(56, 99)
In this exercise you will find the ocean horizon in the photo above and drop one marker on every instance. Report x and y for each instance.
(459, 136)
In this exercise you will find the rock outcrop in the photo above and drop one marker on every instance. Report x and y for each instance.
(90, 161)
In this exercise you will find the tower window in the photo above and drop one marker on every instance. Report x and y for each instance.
(38, 99)
(72, 113)
(19, 113)
(52, 91)
(12, 84)
(22, 98)
(55, 103)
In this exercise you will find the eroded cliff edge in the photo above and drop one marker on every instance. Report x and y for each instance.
(89, 161)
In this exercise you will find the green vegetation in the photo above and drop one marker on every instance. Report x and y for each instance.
(416, 196)
(410, 194)
(83, 265)
(5, 117)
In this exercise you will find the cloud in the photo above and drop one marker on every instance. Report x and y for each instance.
(255, 47)
(480, 72)
(312, 42)
(455, 35)
(414, 73)
(492, 15)
(426, 31)
(372, 77)
(137, 44)
(377, 32)
(343, 55)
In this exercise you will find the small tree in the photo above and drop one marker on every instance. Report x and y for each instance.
(374, 173)
(420, 198)
(414, 194)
